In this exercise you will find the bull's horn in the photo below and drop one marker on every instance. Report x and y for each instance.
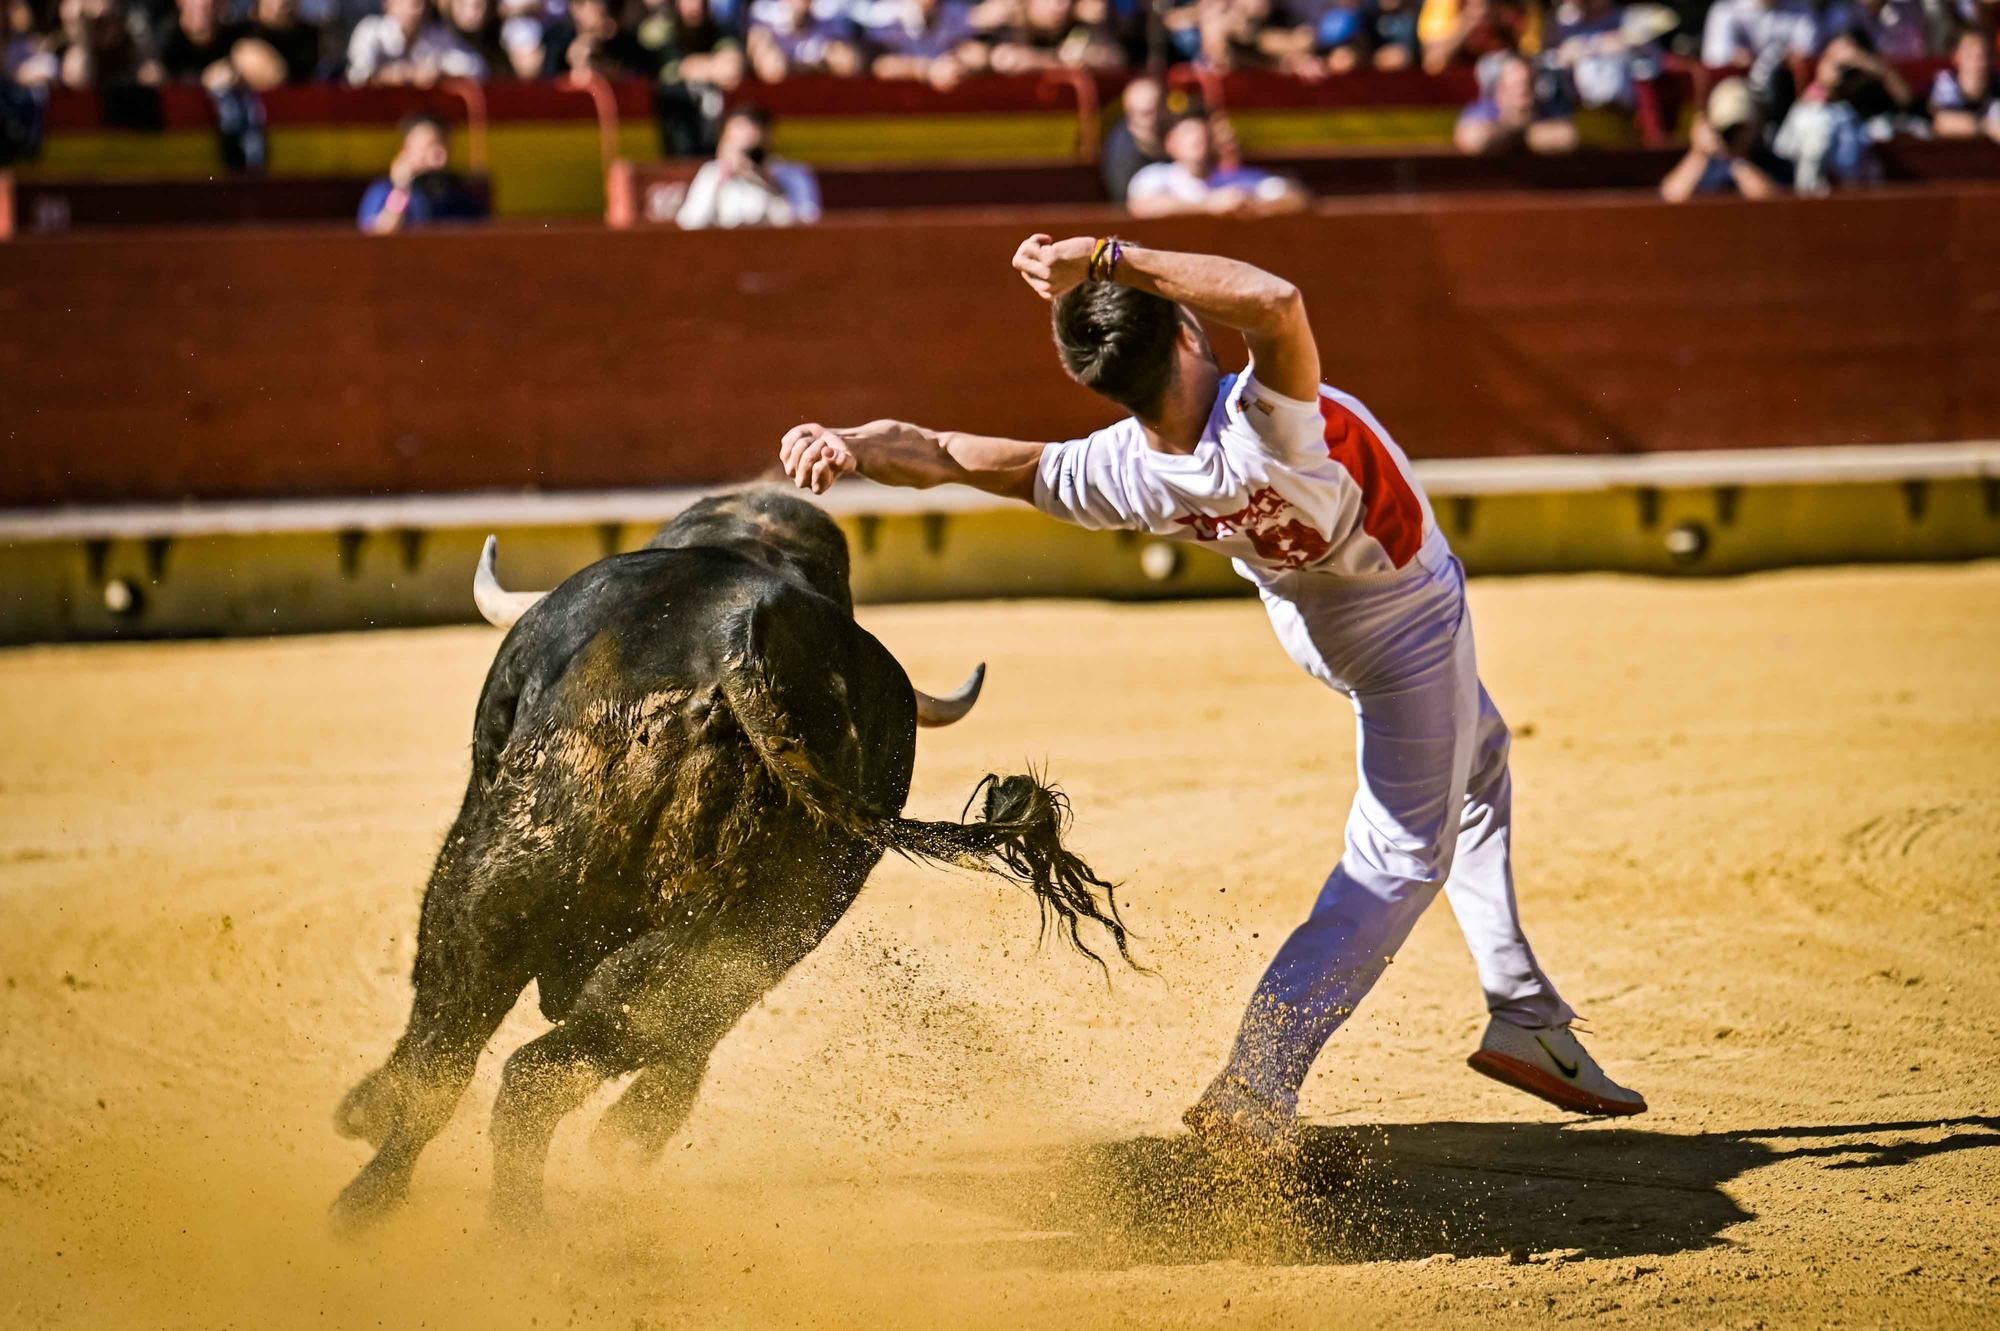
(500, 606)
(943, 711)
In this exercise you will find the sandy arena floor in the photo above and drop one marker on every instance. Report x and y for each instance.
(1759, 840)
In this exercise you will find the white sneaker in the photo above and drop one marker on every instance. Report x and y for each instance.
(1232, 1118)
(1549, 1061)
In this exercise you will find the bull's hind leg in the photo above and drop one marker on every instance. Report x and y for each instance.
(651, 1110)
(661, 1003)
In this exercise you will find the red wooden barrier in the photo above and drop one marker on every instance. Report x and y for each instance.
(157, 366)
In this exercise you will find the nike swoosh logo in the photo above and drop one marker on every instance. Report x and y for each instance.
(1567, 1069)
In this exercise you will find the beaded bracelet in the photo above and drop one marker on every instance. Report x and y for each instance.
(1104, 257)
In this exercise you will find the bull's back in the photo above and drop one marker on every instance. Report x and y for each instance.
(619, 677)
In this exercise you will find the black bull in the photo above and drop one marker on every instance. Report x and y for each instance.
(686, 761)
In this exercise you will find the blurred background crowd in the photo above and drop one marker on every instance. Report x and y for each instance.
(1793, 93)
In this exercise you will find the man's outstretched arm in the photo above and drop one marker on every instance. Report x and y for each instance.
(899, 453)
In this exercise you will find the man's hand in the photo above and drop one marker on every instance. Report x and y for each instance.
(815, 457)
(1053, 266)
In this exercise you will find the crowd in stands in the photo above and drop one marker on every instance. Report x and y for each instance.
(1813, 83)
(1579, 52)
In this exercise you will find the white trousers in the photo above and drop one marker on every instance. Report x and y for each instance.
(1433, 811)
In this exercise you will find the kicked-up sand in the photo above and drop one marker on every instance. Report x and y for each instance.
(1758, 839)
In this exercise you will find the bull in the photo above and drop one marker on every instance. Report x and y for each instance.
(686, 761)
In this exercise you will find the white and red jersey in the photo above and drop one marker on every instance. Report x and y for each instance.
(1277, 484)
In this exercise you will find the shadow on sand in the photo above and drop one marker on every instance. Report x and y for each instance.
(1405, 1191)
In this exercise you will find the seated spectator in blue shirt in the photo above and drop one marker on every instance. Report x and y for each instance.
(1727, 153)
(931, 40)
(420, 189)
(787, 37)
(1963, 102)
(1514, 112)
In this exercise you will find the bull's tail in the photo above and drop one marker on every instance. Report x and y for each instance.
(1019, 835)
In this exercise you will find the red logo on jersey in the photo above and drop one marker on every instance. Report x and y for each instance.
(1270, 524)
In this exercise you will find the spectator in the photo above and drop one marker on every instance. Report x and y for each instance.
(1232, 35)
(697, 60)
(786, 38)
(1603, 52)
(1513, 113)
(101, 46)
(1741, 33)
(1048, 34)
(1829, 134)
(931, 40)
(1192, 180)
(1898, 29)
(595, 43)
(405, 44)
(1314, 37)
(282, 46)
(1464, 32)
(1727, 153)
(1963, 102)
(29, 53)
(420, 189)
(506, 49)
(1134, 142)
(196, 45)
(745, 185)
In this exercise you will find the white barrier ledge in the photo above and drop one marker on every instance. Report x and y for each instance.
(1979, 459)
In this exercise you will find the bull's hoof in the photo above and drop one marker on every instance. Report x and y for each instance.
(626, 1137)
(365, 1203)
(369, 1111)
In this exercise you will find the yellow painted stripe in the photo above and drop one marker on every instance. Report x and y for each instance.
(907, 138)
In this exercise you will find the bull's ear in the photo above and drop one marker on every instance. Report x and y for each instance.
(943, 711)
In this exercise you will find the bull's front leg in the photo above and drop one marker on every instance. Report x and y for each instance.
(466, 980)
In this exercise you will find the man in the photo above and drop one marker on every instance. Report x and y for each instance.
(935, 41)
(419, 189)
(1743, 33)
(196, 43)
(1727, 153)
(787, 38)
(406, 44)
(1511, 114)
(1963, 101)
(1193, 180)
(1134, 142)
(1305, 488)
(745, 185)
(1829, 133)
(1455, 33)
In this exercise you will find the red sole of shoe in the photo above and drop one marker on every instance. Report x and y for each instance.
(1527, 1077)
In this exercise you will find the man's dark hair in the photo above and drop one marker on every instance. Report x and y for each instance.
(1118, 341)
(760, 116)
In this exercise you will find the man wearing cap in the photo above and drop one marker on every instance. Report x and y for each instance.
(1727, 153)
